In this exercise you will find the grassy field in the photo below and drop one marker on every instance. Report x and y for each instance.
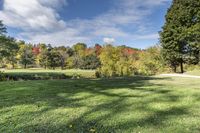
(138, 104)
(43, 72)
(194, 72)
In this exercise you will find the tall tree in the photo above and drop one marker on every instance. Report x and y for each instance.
(53, 59)
(180, 35)
(12, 49)
(63, 53)
(98, 49)
(3, 39)
(114, 62)
(26, 55)
(79, 46)
(90, 62)
(79, 49)
(8, 46)
(43, 56)
(2, 28)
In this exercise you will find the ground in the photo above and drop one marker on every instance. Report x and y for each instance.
(194, 72)
(181, 75)
(68, 72)
(137, 104)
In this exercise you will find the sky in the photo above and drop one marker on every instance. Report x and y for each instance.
(134, 23)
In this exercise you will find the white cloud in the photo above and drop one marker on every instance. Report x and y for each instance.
(146, 36)
(31, 15)
(53, 3)
(67, 37)
(108, 40)
(39, 21)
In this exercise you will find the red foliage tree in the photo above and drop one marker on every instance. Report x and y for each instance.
(35, 50)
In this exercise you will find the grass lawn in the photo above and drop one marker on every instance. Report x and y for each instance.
(42, 72)
(194, 72)
(138, 104)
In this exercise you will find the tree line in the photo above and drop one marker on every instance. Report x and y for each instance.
(179, 46)
(180, 37)
(107, 60)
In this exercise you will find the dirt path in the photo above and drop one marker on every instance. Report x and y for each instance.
(180, 75)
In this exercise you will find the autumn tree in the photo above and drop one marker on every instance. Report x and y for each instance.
(63, 53)
(26, 56)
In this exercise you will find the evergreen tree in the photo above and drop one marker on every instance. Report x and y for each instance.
(2, 28)
(180, 38)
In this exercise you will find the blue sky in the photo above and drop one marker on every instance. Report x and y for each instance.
(134, 23)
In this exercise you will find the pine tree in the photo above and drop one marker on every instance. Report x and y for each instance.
(180, 38)
(2, 28)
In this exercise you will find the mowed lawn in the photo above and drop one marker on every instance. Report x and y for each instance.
(37, 71)
(194, 72)
(138, 104)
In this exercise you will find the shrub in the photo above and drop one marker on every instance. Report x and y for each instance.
(76, 76)
(150, 62)
(2, 76)
(192, 67)
(90, 62)
(32, 76)
(97, 74)
(114, 62)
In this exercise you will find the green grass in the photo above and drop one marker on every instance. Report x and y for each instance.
(194, 72)
(138, 104)
(48, 73)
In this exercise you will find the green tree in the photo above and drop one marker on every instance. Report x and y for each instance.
(180, 35)
(26, 56)
(77, 61)
(114, 62)
(79, 46)
(53, 58)
(3, 41)
(150, 61)
(12, 49)
(90, 62)
(8, 46)
(43, 56)
(108, 57)
(63, 53)
(79, 49)
(2, 28)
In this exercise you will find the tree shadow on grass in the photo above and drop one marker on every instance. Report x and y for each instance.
(122, 97)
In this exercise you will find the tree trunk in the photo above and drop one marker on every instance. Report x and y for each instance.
(175, 69)
(62, 63)
(24, 66)
(181, 65)
(13, 66)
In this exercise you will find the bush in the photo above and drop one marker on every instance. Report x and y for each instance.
(115, 63)
(192, 67)
(76, 76)
(90, 62)
(32, 76)
(2, 76)
(150, 62)
(97, 74)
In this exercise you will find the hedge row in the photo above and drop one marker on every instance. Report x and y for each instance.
(32, 76)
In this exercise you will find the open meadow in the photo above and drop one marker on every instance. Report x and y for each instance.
(135, 104)
(42, 72)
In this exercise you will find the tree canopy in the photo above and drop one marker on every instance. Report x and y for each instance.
(181, 32)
